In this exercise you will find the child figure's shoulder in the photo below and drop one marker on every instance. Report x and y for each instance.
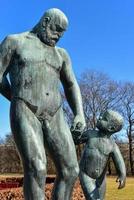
(91, 133)
(112, 143)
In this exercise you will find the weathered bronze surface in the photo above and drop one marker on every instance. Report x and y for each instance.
(36, 67)
(98, 149)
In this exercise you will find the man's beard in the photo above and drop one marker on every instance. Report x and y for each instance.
(47, 39)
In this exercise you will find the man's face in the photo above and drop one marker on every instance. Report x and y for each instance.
(52, 33)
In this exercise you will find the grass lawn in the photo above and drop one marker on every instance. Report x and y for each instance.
(126, 193)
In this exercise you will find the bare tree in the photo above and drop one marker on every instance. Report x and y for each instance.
(1, 140)
(99, 93)
(10, 160)
(128, 113)
(9, 140)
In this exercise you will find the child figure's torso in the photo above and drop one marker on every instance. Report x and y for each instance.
(96, 155)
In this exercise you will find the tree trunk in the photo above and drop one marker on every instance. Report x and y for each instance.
(131, 150)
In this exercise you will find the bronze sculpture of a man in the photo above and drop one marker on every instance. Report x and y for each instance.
(36, 67)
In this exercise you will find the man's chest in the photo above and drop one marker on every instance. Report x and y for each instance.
(31, 53)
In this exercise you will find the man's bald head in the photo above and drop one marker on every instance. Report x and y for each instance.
(56, 16)
(51, 26)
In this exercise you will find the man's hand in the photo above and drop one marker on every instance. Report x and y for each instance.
(122, 181)
(78, 123)
(78, 126)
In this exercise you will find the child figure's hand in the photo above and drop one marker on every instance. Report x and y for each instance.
(122, 181)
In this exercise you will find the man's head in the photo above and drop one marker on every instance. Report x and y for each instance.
(110, 121)
(51, 26)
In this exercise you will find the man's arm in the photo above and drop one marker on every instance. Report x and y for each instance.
(6, 51)
(5, 88)
(119, 165)
(72, 91)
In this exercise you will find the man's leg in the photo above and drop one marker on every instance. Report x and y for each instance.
(29, 140)
(88, 185)
(61, 146)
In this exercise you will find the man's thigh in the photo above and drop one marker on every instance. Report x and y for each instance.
(27, 132)
(60, 143)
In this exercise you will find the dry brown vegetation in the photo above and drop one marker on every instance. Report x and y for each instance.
(112, 192)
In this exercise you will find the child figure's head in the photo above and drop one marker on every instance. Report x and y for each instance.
(110, 121)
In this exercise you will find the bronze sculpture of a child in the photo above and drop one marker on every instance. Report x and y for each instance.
(98, 149)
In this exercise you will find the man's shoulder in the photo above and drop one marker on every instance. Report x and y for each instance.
(18, 37)
(15, 41)
(63, 52)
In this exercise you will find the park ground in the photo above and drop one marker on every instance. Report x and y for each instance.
(126, 193)
(112, 192)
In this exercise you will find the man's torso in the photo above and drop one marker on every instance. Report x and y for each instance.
(35, 73)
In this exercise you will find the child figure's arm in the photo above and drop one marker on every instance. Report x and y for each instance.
(119, 165)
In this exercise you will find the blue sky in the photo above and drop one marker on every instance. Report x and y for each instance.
(100, 35)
